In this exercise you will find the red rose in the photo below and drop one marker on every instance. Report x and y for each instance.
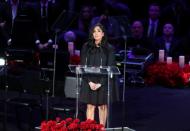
(164, 74)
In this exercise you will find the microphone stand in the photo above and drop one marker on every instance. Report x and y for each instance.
(124, 83)
(124, 69)
(56, 29)
(54, 63)
(6, 93)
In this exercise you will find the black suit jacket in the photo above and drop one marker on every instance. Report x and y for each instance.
(21, 29)
(175, 48)
(44, 31)
(146, 26)
(6, 15)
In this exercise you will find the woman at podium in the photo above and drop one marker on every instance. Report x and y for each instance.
(96, 52)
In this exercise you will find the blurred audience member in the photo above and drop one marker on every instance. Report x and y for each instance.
(168, 42)
(87, 12)
(152, 25)
(177, 12)
(45, 16)
(110, 23)
(3, 34)
(14, 12)
(9, 12)
(137, 39)
(83, 23)
(118, 8)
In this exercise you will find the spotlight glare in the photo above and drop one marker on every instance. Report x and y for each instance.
(2, 62)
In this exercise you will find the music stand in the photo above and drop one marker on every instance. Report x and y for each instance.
(102, 70)
(62, 23)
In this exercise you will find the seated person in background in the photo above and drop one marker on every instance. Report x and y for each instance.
(3, 36)
(18, 16)
(8, 13)
(46, 13)
(110, 23)
(177, 11)
(137, 39)
(168, 42)
(152, 24)
(86, 15)
(118, 7)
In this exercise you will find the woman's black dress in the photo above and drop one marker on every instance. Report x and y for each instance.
(96, 56)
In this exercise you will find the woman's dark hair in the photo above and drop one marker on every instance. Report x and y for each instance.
(104, 39)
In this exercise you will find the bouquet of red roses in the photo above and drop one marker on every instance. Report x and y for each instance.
(70, 124)
(167, 74)
(186, 74)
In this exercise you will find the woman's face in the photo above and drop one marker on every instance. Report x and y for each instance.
(98, 34)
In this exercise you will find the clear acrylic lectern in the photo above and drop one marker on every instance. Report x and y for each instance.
(99, 70)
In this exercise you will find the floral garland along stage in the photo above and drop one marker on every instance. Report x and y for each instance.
(167, 74)
(70, 124)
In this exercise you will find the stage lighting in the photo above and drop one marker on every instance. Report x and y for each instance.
(2, 61)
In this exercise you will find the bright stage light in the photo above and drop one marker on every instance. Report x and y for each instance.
(2, 61)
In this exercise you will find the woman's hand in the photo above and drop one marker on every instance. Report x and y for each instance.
(98, 85)
(94, 86)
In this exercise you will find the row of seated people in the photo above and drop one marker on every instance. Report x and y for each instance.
(160, 31)
(41, 21)
(26, 23)
(173, 46)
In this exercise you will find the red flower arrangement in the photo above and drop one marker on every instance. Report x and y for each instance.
(186, 74)
(167, 74)
(70, 124)
(75, 59)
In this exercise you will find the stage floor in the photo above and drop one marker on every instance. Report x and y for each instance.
(145, 109)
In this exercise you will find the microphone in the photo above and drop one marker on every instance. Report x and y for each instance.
(101, 63)
(86, 59)
(100, 55)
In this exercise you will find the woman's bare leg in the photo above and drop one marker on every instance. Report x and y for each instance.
(90, 111)
(103, 110)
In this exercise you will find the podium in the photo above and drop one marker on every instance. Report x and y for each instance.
(108, 71)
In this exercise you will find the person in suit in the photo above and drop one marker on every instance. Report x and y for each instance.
(168, 42)
(13, 13)
(9, 11)
(46, 13)
(96, 52)
(43, 38)
(137, 38)
(152, 25)
(3, 34)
